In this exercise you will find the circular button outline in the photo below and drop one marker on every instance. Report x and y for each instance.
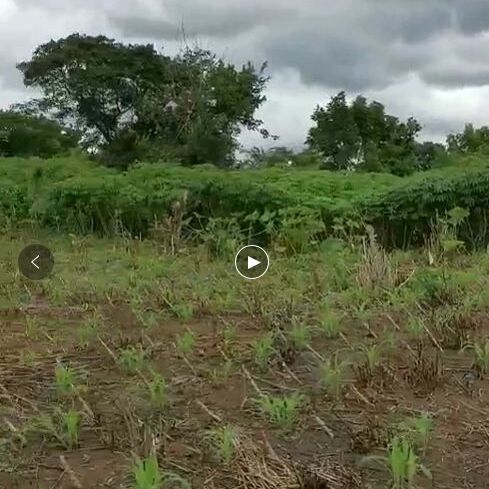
(236, 261)
(24, 255)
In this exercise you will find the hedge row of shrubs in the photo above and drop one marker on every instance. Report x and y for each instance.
(78, 197)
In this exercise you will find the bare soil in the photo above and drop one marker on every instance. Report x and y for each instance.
(327, 448)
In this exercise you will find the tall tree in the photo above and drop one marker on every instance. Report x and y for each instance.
(361, 135)
(132, 100)
(471, 140)
(93, 83)
(336, 135)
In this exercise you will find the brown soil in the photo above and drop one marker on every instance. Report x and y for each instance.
(326, 448)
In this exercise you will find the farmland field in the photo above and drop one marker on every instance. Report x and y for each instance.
(224, 265)
(343, 367)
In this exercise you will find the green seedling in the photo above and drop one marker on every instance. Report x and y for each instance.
(390, 341)
(27, 358)
(331, 377)
(299, 336)
(281, 411)
(146, 319)
(89, 330)
(184, 312)
(157, 390)
(330, 325)
(418, 429)
(86, 334)
(71, 427)
(147, 474)
(222, 373)
(65, 380)
(402, 463)
(228, 335)
(372, 356)
(185, 343)
(132, 359)
(223, 440)
(263, 350)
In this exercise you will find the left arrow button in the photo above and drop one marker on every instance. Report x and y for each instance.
(36, 262)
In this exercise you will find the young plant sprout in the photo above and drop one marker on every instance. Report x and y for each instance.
(330, 325)
(132, 359)
(71, 425)
(223, 440)
(263, 349)
(185, 343)
(299, 336)
(65, 380)
(282, 411)
(331, 377)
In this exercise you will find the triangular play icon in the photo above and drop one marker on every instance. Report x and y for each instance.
(252, 262)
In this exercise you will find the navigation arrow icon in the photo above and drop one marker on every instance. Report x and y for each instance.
(252, 262)
(33, 262)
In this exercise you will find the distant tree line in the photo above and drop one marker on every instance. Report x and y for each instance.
(128, 103)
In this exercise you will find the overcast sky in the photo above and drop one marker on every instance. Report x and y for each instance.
(425, 58)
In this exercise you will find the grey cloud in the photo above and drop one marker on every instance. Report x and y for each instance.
(368, 46)
(10, 77)
(219, 19)
(457, 77)
(352, 44)
(442, 126)
(337, 62)
(152, 28)
(472, 16)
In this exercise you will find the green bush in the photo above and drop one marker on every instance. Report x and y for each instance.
(293, 207)
(405, 214)
(24, 136)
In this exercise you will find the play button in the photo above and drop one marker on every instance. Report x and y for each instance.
(251, 262)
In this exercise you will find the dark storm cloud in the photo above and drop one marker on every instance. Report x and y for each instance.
(331, 61)
(428, 58)
(352, 44)
(224, 19)
(472, 16)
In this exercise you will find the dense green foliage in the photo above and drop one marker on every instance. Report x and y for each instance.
(471, 140)
(132, 103)
(78, 196)
(361, 136)
(129, 103)
(24, 136)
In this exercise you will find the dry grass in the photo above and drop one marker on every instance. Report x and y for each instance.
(375, 268)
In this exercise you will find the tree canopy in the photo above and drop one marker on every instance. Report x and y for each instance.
(360, 135)
(470, 140)
(131, 101)
(23, 135)
(125, 103)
